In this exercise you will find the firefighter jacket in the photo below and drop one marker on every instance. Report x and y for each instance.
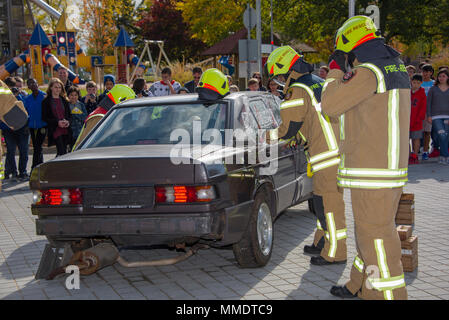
(12, 113)
(91, 121)
(373, 108)
(301, 114)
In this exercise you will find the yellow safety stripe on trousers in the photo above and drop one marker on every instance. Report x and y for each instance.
(318, 225)
(5, 91)
(341, 234)
(2, 170)
(370, 184)
(292, 103)
(381, 87)
(374, 173)
(383, 267)
(388, 284)
(325, 164)
(393, 129)
(333, 235)
(324, 121)
(358, 264)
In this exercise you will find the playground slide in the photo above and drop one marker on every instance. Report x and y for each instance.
(55, 64)
(13, 64)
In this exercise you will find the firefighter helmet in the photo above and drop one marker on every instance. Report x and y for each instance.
(355, 31)
(119, 93)
(213, 85)
(281, 60)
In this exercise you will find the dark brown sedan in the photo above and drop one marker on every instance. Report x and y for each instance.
(175, 170)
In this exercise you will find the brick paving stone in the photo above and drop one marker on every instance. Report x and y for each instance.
(213, 273)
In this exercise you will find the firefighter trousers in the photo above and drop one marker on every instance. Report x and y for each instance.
(377, 269)
(330, 211)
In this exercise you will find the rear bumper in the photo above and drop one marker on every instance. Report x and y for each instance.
(226, 226)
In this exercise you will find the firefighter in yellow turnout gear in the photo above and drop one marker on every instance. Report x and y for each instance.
(368, 90)
(13, 114)
(302, 116)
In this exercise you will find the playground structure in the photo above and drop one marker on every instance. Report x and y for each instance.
(46, 57)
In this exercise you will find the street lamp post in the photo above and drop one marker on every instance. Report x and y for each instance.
(351, 8)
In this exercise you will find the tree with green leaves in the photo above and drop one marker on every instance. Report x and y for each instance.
(408, 21)
(163, 21)
(212, 21)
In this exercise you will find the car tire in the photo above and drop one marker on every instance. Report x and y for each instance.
(255, 248)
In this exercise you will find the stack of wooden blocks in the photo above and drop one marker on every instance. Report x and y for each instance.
(405, 218)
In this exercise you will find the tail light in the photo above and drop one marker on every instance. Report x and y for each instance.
(184, 194)
(57, 197)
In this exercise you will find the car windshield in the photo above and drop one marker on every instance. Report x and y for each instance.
(162, 124)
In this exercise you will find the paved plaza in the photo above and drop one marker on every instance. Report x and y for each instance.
(213, 273)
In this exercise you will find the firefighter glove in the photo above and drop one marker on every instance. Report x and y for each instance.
(337, 60)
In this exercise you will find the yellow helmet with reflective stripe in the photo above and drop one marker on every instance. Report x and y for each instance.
(121, 92)
(213, 85)
(355, 31)
(281, 60)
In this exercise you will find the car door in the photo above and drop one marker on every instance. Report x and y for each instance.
(266, 111)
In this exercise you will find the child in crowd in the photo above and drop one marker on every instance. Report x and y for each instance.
(438, 113)
(109, 83)
(90, 100)
(427, 73)
(233, 88)
(417, 115)
(78, 111)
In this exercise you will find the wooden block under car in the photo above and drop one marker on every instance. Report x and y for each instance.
(404, 232)
(406, 209)
(409, 258)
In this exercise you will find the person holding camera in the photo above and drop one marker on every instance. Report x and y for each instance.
(56, 113)
(90, 100)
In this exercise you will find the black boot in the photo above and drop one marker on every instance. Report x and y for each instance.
(320, 261)
(342, 292)
(312, 249)
(315, 249)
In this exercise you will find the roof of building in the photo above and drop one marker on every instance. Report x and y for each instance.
(230, 45)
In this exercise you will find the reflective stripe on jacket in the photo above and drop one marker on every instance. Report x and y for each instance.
(302, 106)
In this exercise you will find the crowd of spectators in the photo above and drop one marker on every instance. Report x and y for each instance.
(59, 113)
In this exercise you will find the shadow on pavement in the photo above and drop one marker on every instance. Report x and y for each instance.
(209, 274)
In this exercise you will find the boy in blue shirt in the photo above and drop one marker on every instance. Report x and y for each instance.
(38, 130)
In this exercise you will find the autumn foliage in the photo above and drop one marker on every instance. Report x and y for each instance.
(97, 22)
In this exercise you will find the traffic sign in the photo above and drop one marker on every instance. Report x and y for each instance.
(249, 18)
(247, 50)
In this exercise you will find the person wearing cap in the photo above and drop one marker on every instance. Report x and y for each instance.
(368, 91)
(109, 83)
(302, 117)
(117, 94)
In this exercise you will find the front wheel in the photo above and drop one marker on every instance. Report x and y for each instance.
(255, 247)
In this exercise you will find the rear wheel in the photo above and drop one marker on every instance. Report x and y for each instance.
(255, 247)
